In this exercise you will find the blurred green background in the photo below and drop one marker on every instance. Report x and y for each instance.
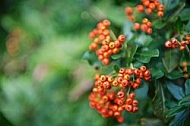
(43, 81)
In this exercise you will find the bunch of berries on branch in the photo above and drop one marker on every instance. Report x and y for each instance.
(112, 95)
(104, 44)
(148, 7)
(174, 43)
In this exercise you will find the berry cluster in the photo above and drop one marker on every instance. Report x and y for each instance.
(103, 43)
(146, 26)
(109, 96)
(174, 43)
(147, 6)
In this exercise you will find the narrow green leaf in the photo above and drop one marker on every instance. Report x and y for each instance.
(170, 60)
(175, 110)
(116, 68)
(170, 104)
(180, 118)
(187, 87)
(158, 102)
(175, 90)
(145, 56)
(131, 50)
(116, 56)
(185, 101)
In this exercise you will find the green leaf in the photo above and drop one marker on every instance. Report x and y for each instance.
(174, 74)
(185, 14)
(175, 90)
(187, 87)
(131, 50)
(145, 56)
(170, 103)
(116, 68)
(187, 27)
(158, 24)
(175, 110)
(170, 60)
(180, 118)
(144, 39)
(158, 102)
(185, 101)
(91, 58)
(156, 73)
(116, 56)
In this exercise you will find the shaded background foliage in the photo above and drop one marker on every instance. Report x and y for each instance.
(43, 81)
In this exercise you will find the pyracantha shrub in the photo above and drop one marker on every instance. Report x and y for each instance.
(152, 51)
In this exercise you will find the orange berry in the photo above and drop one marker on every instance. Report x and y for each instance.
(145, 20)
(168, 44)
(149, 31)
(111, 45)
(117, 44)
(132, 95)
(140, 8)
(136, 26)
(91, 35)
(149, 24)
(128, 10)
(106, 32)
(146, 3)
(144, 27)
(121, 38)
(131, 18)
(184, 64)
(128, 108)
(160, 7)
(105, 61)
(160, 13)
(152, 6)
(181, 47)
(143, 68)
(120, 119)
(148, 11)
(106, 23)
(115, 50)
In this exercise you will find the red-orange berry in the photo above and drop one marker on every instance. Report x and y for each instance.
(160, 13)
(128, 107)
(136, 26)
(132, 95)
(148, 11)
(106, 23)
(128, 10)
(168, 44)
(135, 102)
(135, 109)
(129, 101)
(120, 94)
(152, 6)
(121, 38)
(105, 61)
(143, 68)
(149, 31)
(144, 27)
(120, 119)
(140, 8)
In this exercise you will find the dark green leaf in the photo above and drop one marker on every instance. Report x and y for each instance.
(170, 60)
(170, 103)
(175, 110)
(187, 87)
(158, 102)
(185, 101)
(174, 74)
(131, 50)
(116, 56)
(144, 40)
(185, 14)
(145, 56)
(180, 118)
(116, 68)
(156, 73)
(187, 27)
(91, 58)
(175, 90)
(158, 24)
